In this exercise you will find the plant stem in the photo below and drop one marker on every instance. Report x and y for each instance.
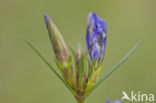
(80, 101)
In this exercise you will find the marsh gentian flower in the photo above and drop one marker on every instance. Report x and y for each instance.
(108, 101)
(96, 36)
(79, 74)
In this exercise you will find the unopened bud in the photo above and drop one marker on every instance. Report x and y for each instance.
(57, 41)
(78, 54)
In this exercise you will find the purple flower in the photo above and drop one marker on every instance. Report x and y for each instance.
(96, 36)
(108, 101)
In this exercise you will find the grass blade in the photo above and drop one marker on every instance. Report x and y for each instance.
(49, 65)
(113, 69)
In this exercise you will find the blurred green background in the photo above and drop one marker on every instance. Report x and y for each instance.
(24, 78)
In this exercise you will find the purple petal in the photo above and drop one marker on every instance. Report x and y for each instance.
(117, 101)
(108, 101)
(47, 19)
(96, 36)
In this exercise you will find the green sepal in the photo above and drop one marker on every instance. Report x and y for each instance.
(76, 66)
(89, 82)
(59, 65)
(97, 71)
(81, 71)
(71, 73)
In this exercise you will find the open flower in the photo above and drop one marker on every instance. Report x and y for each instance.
(96, 36)
(108, 101)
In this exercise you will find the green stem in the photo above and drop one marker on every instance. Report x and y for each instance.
(80, 101)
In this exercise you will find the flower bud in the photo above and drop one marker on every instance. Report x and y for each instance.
(96, 36)
(78, 54)
(57, 41)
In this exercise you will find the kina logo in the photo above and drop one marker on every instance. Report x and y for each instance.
(137, 96)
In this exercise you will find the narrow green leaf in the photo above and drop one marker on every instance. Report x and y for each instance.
(81, 71)
(74, 55)
(90, 74)
(59, 65)
(49, 65)
(81, 67)
(76, 67)
(113, 69)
